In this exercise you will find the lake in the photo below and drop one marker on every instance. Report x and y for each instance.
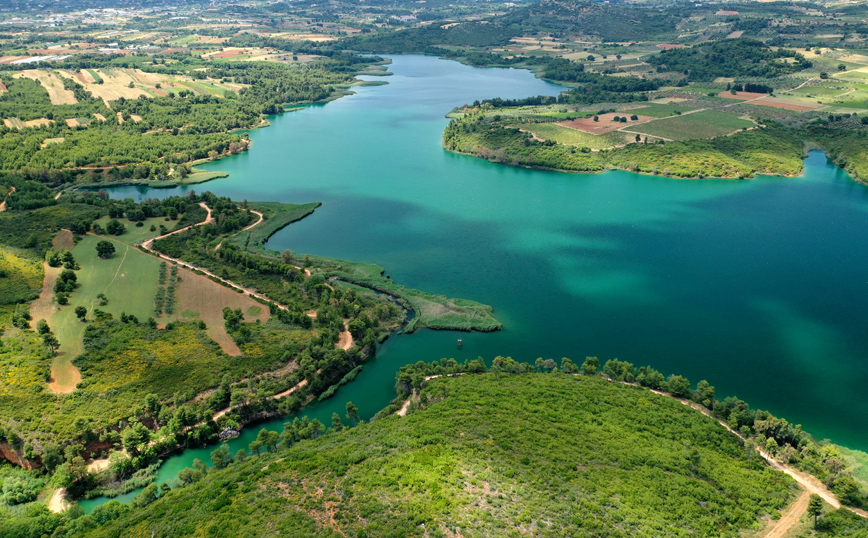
(758, 286)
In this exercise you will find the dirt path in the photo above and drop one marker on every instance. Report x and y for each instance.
(277, 396)
(790, 518)
(261, 218)
(58, 503)
(3, 203)
(809, 483)
(346, 340)
(64, 375)
(148, 246)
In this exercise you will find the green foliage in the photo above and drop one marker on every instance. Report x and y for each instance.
(773, 150)
(488, 455)
(729, 58)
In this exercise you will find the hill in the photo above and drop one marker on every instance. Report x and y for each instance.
(609, 22)
(484, 455)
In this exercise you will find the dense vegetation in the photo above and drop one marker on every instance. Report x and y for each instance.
(729, 58)
(483, 455)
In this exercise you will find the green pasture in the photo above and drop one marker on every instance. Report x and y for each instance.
(705, 124)
(128, 279)
(574, 137)
(658, 110)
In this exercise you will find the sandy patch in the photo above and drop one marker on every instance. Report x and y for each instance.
(135, 118)
(57, 503)
(3, 87)
(120, 118)
(605, 123)
(99, 116)
(790, 518)
(735, 35)
(310, 37)
(72, 122)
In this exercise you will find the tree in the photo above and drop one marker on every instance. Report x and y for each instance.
(256, 447)
(705, 393)
(286, 256)
(146, 497)
(590, 366)
(352, 413)
(81, 312)
(679, 386)
(815, 507)
(568, 366)
(638, 139)
(114, 227)
(105, 249)
(42, 327)
(336, 422)
(133, 436)
(221, 457)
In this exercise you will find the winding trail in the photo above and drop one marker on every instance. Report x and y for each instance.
(148, 246)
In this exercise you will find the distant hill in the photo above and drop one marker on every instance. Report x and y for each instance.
(611, 22)
(486, 455)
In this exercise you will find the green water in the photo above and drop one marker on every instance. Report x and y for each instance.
(758, 286)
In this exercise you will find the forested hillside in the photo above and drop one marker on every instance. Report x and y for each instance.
(485, 455)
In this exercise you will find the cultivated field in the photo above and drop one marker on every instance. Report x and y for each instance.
(703, 124)
(200, 298)
(573, 137)
(605, 123)
(112, 84)
(52, 84)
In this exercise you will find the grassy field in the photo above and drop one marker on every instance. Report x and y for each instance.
(20, 277)
(136, 234)
(658, 110)
(573, 137)
(704, 124)
(128, 279)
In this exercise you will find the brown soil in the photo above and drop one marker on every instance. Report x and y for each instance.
(62, 368)
(135, 118)
(785, 105)
(228, 54)
(200, 294)
(53, 85)
(72, 122)
(43, 307)
(3, 87)
(63, 241)
(605, 125)
(99, 116)
(41, 122)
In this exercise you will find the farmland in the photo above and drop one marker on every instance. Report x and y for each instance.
(703, 124)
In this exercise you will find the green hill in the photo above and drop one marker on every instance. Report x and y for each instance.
(485, 455)
(613, 22)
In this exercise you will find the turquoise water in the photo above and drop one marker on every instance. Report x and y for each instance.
(758, 286)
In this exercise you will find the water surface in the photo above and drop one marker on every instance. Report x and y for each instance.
(758, 286)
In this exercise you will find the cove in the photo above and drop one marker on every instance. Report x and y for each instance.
(757, 286)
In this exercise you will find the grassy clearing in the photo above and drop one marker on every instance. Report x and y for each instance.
(137, 234)
(705, 124)
(432, 311)
(573, 137)
(858, 461)
(20, 277)
(128, 279)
